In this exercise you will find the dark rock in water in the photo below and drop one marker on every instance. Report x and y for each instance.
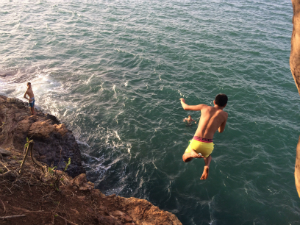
(8, 73)
(53, 119)
(54, 144)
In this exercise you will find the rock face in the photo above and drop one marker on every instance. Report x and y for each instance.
(295, 44)
(297, 168)
(295, 69)
(54, 144)
(118, 210)
(36, 193)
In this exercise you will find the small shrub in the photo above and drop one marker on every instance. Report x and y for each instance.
(67, 164)
(51, 170)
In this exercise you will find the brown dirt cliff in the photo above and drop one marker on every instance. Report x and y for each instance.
(295, 70)
(40, 194)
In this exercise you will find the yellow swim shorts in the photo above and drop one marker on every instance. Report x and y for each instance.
(201, 145)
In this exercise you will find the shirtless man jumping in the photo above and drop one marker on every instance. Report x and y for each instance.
(31, 100)
(212, 118)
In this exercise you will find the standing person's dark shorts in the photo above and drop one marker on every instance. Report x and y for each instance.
(31, 104)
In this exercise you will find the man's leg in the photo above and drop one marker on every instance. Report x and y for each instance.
(206, 168)
(32, 110)
(188, 156)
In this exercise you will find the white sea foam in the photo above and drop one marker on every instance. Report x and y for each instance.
(89, 80)
(161, 51)
(180, 93)
(83, 143)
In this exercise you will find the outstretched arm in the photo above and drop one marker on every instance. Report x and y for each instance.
(190, 107)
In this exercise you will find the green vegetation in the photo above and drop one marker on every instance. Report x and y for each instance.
(67, 164)
(51, 170)
(27, 142)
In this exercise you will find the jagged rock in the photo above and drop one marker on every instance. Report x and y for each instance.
(4, 152)
(121, 216)
(81, 183)
(108, 220)
(54, 144)
(53, 118)
(297, 168)
(295, 45)
(143, 212)
(10, 175)
(295, 70)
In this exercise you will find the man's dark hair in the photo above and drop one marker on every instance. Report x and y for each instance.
(221, 100)
(28, 83)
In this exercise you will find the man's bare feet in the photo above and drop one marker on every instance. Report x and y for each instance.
(205, 173)
(188, 156)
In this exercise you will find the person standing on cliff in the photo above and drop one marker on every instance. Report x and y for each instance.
(31, 100)
(212, 118)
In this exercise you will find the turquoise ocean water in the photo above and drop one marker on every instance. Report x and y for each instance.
(114, 72)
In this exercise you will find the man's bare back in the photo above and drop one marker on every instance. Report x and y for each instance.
(212, 118)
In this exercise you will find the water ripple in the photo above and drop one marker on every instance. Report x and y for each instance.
(114, 71)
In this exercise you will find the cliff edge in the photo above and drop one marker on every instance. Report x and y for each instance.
(295, 70)
(50, 191)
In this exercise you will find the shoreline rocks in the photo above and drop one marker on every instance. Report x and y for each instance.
(54, 144)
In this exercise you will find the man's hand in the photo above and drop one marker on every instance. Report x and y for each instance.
(183, 104)
(191, 107)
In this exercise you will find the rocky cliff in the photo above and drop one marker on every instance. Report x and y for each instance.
(295, 44)
(37, 196)
(54, 144)
(295, 69)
